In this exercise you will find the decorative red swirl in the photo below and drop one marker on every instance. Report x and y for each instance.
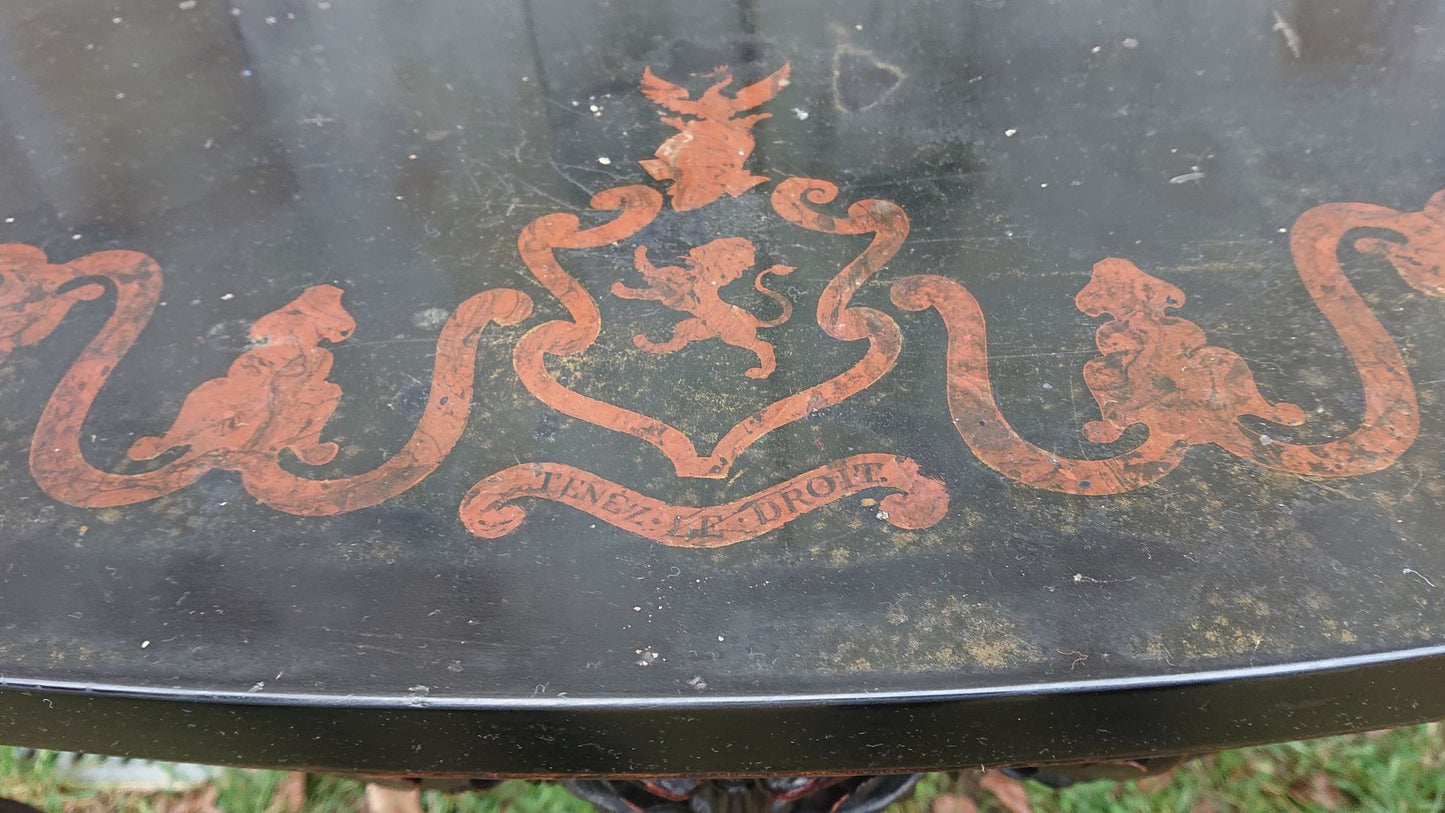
(274, 398)
(1159, 370)
(441, 424)
(983, 427)
(1392, 416)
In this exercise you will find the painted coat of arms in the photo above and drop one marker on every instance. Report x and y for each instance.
(722, 292)
(703, 163)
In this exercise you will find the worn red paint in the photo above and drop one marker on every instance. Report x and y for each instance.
(637, 206)
(695, 288)
(274, 399)
(1155, 369)
(490, 508)
(35, 295)
(1159, 371)
(705, 160)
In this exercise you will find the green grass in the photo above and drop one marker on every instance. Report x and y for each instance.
(1399, 770)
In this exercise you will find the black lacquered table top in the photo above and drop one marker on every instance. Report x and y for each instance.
(552, 387)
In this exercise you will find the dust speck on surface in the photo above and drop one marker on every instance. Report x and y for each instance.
(430, 318)
(1291, 37)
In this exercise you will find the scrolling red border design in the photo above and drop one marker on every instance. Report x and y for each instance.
(1159, 371)
(1155, 369)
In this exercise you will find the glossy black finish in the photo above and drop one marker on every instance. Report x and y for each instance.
(838, 735)
(397, 149)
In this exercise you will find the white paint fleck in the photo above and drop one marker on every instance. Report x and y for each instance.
(1291, 37)
(800, 113)
(430, 318)
(604, 160)
(227, 297)
(1130, 43)
(1187, 177)
(1407, 571)
(1010, 132)
(144, 644)
(186, 5)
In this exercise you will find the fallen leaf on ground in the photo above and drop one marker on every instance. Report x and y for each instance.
(953, 803)
(389, 800)
(290, 795)
(199, 800)
(1009, 792)
(1156, 783)
(1324, 793)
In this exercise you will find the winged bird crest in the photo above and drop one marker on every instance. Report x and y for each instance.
(714, 140)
